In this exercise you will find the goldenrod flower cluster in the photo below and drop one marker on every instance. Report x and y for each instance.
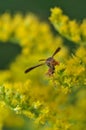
(70, 29)
(53, 103)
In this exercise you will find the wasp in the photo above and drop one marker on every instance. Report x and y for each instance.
(50, 62)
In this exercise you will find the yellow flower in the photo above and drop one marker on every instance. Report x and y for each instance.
(64, 29)
(74, 31)
(65, 89)
(65, 19)
(29, 114)
(81, 52)
(40, 120)
(56, 11)
(70, 29)
(37, 104)
(45, 110)
(83, 29)
(17, 109)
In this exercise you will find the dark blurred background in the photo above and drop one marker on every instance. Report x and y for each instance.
(75, 9)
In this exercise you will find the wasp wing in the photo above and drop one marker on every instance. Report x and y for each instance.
(42, 59)
(57, 50)
(31, 68)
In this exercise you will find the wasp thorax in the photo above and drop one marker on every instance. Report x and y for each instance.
(51, 62)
